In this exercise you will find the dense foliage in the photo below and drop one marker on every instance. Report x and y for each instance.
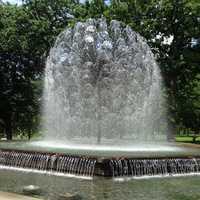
(28, 31)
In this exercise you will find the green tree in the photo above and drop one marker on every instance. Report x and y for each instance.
(27, 33)
(18, 68)
(169, 26)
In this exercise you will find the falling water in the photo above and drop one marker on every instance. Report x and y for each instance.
(153, 167)
(65, 164)
(102, 82)
(88, 167)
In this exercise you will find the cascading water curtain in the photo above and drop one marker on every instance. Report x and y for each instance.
(153, 167)
(66, 164)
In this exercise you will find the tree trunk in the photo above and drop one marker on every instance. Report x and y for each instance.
(8, 129)
(29, 134)
(195, 136)
(172, 124)
(194, 139)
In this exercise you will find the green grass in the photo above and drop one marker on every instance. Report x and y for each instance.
(188, 139)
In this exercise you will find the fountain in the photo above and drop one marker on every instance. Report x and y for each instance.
(104, 111)
(102, 83)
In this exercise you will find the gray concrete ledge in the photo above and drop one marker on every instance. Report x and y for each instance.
(13, 196)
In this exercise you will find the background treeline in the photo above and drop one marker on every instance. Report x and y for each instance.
(28, 31)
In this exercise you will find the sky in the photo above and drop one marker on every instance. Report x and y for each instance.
(20, 1)
(13, 1)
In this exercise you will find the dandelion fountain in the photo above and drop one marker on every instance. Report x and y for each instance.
(104, 111)
(102, 83)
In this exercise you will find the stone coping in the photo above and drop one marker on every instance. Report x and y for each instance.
(13, 196)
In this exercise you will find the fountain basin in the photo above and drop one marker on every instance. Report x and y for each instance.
(102, 160)
(148, 150)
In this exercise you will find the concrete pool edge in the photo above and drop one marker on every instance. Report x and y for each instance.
(102, 166)
(14, 196)
(105, 151)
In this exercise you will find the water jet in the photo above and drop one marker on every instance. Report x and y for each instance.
(104, 111)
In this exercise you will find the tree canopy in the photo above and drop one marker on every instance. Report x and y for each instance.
(28, 31)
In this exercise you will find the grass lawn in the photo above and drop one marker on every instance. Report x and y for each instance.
(188, 139)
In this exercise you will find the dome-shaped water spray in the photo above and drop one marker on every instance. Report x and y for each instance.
(101, 83)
